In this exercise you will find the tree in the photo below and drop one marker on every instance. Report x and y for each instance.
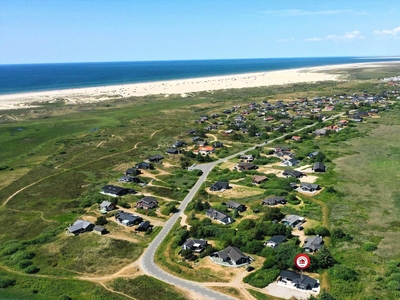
(253, 130)
(320, 157)
(101, 221)
(198, 205)
(273, 213)
(235, 213)
(325, 258)
(322, 231)
(325, 296)
(338, 233)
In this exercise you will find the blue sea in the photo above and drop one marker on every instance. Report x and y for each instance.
(43, 77)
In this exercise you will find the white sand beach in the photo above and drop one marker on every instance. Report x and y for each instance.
(181, 86)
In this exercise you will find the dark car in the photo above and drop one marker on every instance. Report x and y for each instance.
(249, 268)
(300, 228)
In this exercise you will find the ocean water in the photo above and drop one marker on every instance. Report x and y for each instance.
(43, 77)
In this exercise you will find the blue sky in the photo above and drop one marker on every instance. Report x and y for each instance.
(44, 31)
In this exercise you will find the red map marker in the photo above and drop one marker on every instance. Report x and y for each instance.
(302, 261)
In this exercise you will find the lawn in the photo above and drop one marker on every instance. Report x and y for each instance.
(147, 288)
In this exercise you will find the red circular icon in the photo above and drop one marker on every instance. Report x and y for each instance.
(302, 261)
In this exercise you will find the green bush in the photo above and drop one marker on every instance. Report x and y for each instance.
(262, 278)
(322, 231)
(101, 221)
(369, 246)
(32, 269)
(343, 273)
(64, 297)
(6, 282)
(24, 263)
(11, 249)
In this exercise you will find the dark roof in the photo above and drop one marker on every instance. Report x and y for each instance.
(309, 186)
(156, 157)
(144, 225)
(144, 165)
(80, 225)
(233, 204)
(292, 173)
(319, 166)
(277, 239)
(274, 200)
(247, 166)
(116, 190)
(191, 242)
(133, 171)
(219, 185)
(313, 243)
(217, 215)
(298, 279)
(99, 229)
(148, 200)
(173, 150)
(232, 252)
(126, 216)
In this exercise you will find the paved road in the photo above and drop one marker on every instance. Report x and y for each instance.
(147, 260)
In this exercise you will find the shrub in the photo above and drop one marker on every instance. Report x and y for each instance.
(24, 263)
(101, 220)
(64, 297)
(369, 246)
(125, 204)
(261, 278)
(322, 231)
(11, 249)
(6, 282)
(309, 231)
(344, 273)
(32, 269)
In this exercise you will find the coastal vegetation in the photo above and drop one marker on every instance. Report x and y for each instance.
(56, 158)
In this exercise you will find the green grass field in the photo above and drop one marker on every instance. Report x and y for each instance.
(55, 159)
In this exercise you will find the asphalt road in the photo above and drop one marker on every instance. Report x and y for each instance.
(147, 260)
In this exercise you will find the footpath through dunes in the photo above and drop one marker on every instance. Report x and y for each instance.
(147, 260)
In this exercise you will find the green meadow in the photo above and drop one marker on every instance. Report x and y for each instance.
(56, 158)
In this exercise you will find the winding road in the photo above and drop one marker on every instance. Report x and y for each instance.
(147, 260)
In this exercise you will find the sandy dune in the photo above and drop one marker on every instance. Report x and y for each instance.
(183, 86)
